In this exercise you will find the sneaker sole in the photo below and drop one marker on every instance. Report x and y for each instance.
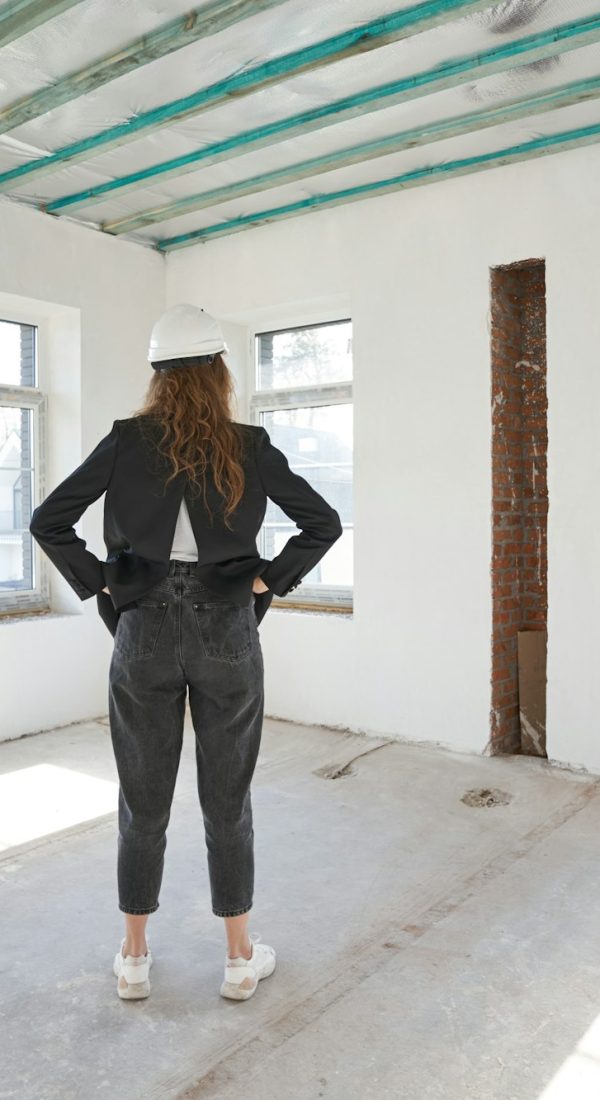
(236, 993)
(133, 991)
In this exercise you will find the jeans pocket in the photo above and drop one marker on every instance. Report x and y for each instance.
(226, 630)
(138, 628)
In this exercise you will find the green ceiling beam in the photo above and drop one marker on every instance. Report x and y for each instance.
(174, 35)
(564, 96)
(356, 41)
(553, 143)
(18, 17)
(449, 74)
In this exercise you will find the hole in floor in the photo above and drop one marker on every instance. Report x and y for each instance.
(484, 797)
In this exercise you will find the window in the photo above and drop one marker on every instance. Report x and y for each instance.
(22, 408)
(303, 397)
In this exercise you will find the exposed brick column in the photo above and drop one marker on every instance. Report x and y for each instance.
(519, 482)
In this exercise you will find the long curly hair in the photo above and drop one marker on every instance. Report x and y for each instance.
(192, 405)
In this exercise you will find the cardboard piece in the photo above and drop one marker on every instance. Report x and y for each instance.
(532, 649)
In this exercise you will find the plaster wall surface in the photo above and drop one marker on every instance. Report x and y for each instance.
(412, 271)
(94, 299)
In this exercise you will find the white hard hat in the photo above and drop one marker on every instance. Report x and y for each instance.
(184, 331)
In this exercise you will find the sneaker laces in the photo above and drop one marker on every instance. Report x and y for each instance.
(265, 947)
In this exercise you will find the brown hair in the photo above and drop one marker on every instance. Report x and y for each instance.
(191, 403)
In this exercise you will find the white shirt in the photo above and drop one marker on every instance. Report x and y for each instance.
(184, 545)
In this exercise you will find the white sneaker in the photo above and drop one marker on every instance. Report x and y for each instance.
(132, 972)
(243, 975)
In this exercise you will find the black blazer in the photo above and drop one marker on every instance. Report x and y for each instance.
(140, 517)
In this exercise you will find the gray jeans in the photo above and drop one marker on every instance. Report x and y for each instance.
(182, 635)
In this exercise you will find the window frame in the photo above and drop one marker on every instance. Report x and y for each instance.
(37, 598)
(312, 597)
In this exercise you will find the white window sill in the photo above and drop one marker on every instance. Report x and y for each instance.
(10, 619)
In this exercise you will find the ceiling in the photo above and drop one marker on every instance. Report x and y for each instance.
(173, 126)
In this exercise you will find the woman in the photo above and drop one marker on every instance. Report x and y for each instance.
(186, 489)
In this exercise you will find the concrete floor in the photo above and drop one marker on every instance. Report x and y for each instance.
(426, 948)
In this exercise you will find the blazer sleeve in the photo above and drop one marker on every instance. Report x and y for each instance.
(52, 521)
(320, 525)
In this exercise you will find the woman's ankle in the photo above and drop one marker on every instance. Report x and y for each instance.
(134, 949)
(243, 950)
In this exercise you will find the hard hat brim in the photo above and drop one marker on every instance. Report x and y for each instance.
(184, 361)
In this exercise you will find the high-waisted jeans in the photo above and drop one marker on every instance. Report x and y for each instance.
(178, 636)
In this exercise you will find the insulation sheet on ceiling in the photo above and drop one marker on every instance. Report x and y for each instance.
(94, 29)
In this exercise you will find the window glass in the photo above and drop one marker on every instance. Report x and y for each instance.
(305, 356)
(317, 442)
(314, 432)
(16, 481)
(17, 354)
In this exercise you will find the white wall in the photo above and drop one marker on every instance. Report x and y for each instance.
(96, 299)
(412, 271)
